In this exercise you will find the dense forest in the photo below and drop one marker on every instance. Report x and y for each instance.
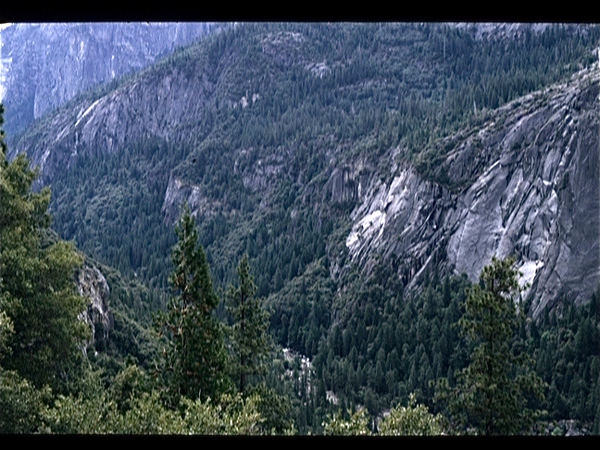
(390, 86)
(230, 320)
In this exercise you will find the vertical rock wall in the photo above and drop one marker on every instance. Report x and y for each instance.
(53, 62)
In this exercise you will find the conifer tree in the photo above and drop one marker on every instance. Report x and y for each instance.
(39, 305)
(196, 358)
(493, 391)
(250, 341)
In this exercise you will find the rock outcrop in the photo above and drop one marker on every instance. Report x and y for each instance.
(51, 63)
(522, 180)
(92, 285)
(523, 184)
(124, 116)
(180, 193)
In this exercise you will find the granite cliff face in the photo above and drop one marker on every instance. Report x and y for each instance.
(525, 183)
(92, 285)
(160, 104)
(522, 180)
(48, 64)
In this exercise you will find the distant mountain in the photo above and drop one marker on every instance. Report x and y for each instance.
(395, 151)
(47, 64)
(370, 171)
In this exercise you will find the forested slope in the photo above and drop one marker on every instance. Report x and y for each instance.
(363, 168)
(47, 64)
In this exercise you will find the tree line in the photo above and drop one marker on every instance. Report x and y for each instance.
(390, 345)
(211, 375)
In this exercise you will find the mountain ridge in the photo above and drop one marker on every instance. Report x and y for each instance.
(244, 158)
(89, 54)
(511, 208)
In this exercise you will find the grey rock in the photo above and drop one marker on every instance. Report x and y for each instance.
(522, 181)
(346, 184)
(92, 285)
(181, 192)
(53, 62)
(524, 184)
(158, 105)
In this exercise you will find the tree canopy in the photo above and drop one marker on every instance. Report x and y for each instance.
(195, 364)
(40, 331)
(249, 336)
(493, 392)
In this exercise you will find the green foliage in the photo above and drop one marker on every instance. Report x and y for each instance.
(133, 406)
(565, 345)
(129, 384)
(233, 415)
(132, 335)
(6, 329)
(389, 345)
(21, 404)
(250, 341)
(147, 415)
(111, 206)
(275, 410)
(40, 332)
(411, 420)
(383, 87)
(357, 425)
(195, 359)
(83, 415)
(492, 393)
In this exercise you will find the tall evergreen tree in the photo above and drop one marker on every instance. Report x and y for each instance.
(493, 391)
(39, 303)
(250, 340)
(196, 358)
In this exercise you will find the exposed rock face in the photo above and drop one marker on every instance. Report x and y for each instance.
(133, 112)
(179, 193)
(522, 182)
(51, 63)
(346, 184)
(92, 285)
(535, 196)
(403, 222)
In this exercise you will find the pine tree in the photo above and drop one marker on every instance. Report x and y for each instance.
(250, 341)
(195, 360)
(493, 391)
(39, 304)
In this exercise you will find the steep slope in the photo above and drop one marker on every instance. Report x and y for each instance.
(524, 183)
(119, 313)
(47, 64)
(330, 150)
